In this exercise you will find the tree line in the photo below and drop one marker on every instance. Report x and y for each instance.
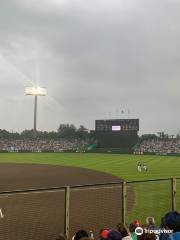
(66, 131)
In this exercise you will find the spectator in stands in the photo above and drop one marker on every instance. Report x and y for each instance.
(172, 222)
(163, 236)
(103, 234)
(39, 145)
(132, 228)
(80, 234)
(114, 235)
(162, 146)
(124, 231)
(151, 223)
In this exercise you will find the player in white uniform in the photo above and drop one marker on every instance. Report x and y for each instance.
(144, 167)
(139, 167)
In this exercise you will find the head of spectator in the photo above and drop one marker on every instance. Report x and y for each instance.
(80, 234)
(103, 233)
(172, 221)
(150, 222)
(134, 225)
(123, 230)
(132, 228)
(114, 235)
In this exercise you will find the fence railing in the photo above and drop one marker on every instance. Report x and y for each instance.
(46, 212)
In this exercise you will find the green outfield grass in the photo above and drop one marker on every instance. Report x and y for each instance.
(150, 199)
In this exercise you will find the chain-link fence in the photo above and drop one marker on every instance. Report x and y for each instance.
(45, 213)
(32, 215)
(150, 198)
(95, 207)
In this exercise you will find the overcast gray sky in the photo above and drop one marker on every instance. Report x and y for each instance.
(96, 58)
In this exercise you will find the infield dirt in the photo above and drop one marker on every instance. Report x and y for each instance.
(40, 215)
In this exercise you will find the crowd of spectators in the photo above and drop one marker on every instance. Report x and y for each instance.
(36, 145)
(168, 230)
(159, 146)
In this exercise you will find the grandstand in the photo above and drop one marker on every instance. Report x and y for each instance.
(159, 145)
(39, 145)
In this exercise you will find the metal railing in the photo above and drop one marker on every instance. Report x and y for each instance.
(43, 213)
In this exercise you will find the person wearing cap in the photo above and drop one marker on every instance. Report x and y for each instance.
(132, 228)
(124, 231)
(103, 234)
(151, 223)
(163, 236)
(172, 222)
(114, 235)
(80, 234)
(136, 223)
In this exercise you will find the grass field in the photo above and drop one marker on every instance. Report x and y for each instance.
(151, 199)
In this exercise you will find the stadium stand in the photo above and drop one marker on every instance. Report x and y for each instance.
(159, 146)
(42, 145)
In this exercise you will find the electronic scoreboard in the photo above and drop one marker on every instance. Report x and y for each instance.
(117, 133)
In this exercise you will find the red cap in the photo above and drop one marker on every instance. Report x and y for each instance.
(104, 233)
(136, 223)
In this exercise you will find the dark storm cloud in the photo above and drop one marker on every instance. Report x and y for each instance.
(95, 57)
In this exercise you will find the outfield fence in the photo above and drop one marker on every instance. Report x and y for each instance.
(44, 213)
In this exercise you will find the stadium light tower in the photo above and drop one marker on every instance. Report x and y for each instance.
(35, 91)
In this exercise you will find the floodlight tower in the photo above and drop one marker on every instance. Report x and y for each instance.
(35, 91)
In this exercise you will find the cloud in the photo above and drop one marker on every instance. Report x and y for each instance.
(42, 5)
(94, 57)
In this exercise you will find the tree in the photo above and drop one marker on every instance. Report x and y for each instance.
(4, 134)
(82, 132)
(147, 137)
(67, 131)
(27, 134)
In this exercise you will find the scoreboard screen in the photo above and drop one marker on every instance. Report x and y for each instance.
(117, 125)
(116, 128)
